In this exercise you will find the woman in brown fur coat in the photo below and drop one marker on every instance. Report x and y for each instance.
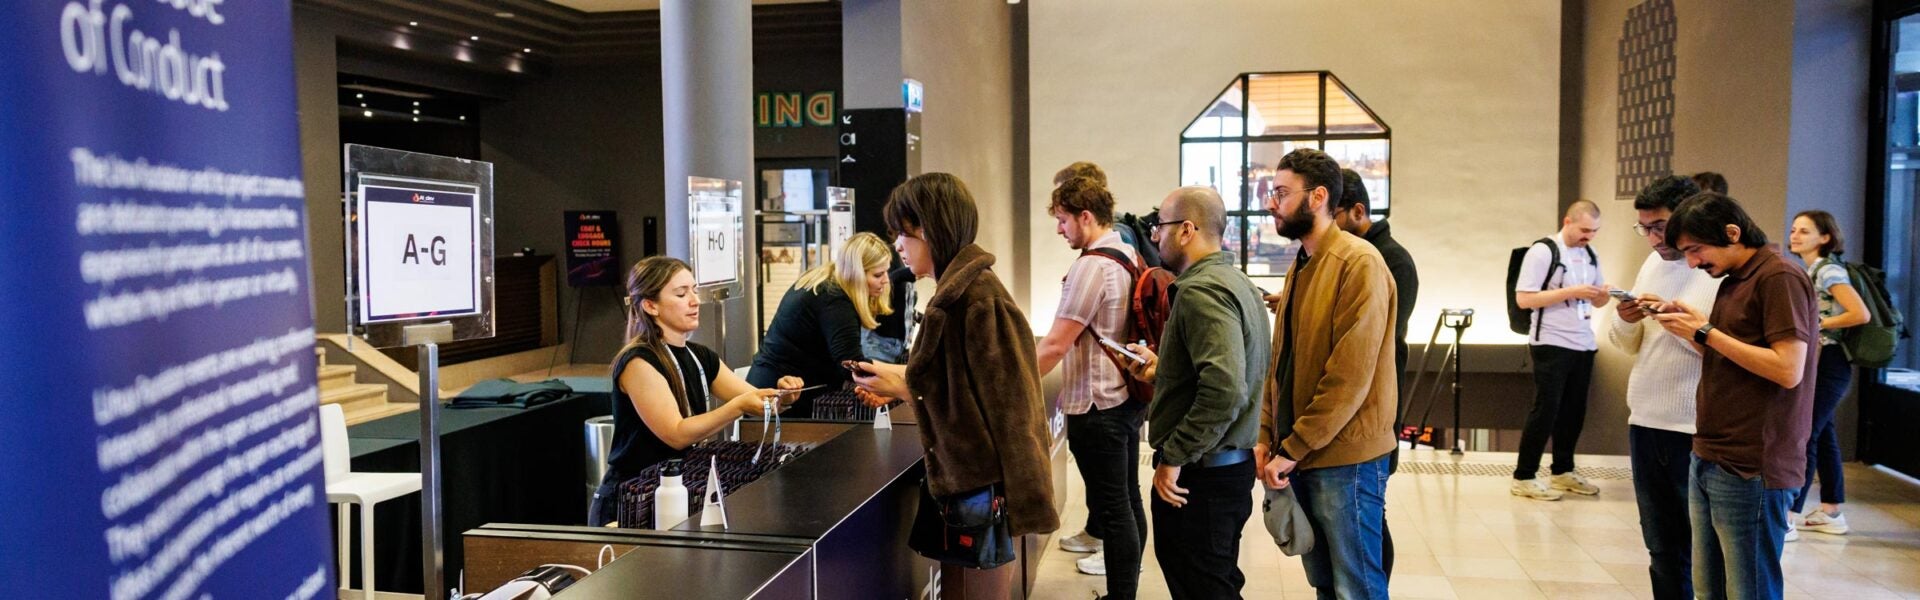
(971, 376)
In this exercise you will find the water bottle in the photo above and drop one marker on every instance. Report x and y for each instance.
(670, 499)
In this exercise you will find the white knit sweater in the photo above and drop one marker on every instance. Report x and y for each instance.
(1666, 369)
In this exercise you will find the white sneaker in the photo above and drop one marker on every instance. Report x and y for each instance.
(1793, 532)
(1093, 565)
(1573, 482)
(1533, 489)
(1080, 542)
(1820, 521)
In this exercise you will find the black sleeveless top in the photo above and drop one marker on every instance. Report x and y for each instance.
(635, 447)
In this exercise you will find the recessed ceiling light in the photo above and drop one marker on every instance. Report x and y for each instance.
(416, 111)
(413, 23)
(463, 117)
(363, 105)
(366, 113)
(474, 38)
(416, 119)
(526, 50)
(359, 96)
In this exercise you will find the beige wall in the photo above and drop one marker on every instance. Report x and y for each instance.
(1470, 88)
(961, 53)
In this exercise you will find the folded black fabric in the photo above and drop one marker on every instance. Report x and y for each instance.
(507, 393)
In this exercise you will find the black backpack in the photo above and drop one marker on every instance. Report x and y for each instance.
(1137, 231)
(1520, 320)
(1872, 345)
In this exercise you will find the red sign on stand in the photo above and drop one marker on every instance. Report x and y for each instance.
(593, 249)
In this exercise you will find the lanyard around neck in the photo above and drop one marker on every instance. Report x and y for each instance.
(686, 407)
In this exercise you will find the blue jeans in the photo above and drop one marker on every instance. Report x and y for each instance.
(1660, 461)
(1347, 508)
(1833, 378)
(1738, 528)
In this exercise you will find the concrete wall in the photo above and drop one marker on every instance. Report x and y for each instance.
(1771, 94)
(1469, 89)
(316, 83)
(962, 53)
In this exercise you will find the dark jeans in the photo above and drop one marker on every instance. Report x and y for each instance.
(1198, 545)
(1560, 378)
(1660, 462)
(1346, 506)
(1823, 447)
(1106, 446)
(1739, 527)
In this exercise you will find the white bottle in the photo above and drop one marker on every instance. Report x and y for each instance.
(670, 499)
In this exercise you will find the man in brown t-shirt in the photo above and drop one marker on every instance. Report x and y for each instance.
(1755, 402)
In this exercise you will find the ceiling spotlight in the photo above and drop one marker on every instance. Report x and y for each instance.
(526, 50)
(413, 23)
(363, 105)
(366, 113)
(416, 103)
(463, 117)
(359, 96)
(416, 111)
(416, 119)
(474, 38)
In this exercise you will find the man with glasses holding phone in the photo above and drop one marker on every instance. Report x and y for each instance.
(1660, 389)
(1205, 412)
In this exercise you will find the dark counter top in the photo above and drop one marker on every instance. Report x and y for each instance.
(816, 491)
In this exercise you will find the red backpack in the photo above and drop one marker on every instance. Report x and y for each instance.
(1148, 306)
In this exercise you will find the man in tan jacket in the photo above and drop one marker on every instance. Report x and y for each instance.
(1327, 424)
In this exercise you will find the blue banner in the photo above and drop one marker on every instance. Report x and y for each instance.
(160, 438)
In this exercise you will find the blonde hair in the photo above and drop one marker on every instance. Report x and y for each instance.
(646, 281)
(863, 252)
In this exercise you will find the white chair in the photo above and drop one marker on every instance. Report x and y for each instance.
(345, 487)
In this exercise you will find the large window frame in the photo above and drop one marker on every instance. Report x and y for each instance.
(1246, 216)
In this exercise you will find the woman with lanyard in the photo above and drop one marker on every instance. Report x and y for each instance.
(1816, 239)
(663, 384)
(822, 317)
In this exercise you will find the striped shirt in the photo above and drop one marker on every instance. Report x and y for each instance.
(1095, 294)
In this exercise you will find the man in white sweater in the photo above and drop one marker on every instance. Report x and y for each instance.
(1660, 390)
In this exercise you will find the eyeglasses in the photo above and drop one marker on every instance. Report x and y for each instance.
(1660, 228)
(1156, 226)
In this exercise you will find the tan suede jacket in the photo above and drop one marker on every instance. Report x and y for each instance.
(1344, 390)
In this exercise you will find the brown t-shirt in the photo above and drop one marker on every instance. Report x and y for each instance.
(1747, 423)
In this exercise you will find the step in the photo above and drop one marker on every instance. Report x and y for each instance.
(355, 396)
(321, 353)
(380, 411)
(334, 376)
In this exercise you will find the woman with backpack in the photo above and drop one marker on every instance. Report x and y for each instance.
(1816, 239)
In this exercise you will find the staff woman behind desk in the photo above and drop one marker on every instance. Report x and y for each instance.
(663, 383)
(972, 378)
(820, 319)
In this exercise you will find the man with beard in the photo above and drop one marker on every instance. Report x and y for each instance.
(1660, 389)
(1562, 296)
(1327, 426)
(1205, 411)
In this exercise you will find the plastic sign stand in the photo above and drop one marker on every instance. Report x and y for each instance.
(715, 511)
(839, 218)
(883, 418)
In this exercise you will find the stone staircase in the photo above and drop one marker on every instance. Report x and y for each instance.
(361, 402)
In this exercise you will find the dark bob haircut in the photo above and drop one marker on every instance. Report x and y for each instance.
(1705, 217)
(1665, 192)
(941, 208)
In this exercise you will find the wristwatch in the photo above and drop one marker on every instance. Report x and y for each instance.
(1700, 335)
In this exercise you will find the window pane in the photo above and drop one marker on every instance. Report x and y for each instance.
(1369, 159)
(1261, 158)
(1344, 114)
(1215, 165)
(1222, 118)
(1284, 104)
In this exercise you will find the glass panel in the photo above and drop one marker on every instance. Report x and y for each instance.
(1369, 159)
(1222, 118)
(1344, 114)
(1284, 104)
(1903, 177)
(1216, 165)
(1261, 157)
(1268, 253)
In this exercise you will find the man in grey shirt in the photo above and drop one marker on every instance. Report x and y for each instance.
(1205, 413)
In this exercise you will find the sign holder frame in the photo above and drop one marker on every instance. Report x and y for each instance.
(425, 332)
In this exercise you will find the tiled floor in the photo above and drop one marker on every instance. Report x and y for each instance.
(1464, 536)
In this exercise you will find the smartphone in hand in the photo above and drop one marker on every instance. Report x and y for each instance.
(1622, 295)
(856, 368)
(1118, 349)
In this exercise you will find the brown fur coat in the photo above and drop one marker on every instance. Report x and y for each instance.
(976, 389)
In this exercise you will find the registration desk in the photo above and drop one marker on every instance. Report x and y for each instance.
(830, 523)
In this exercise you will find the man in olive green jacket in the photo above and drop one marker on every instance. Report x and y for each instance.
(1327, 422)
(1205, 411)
